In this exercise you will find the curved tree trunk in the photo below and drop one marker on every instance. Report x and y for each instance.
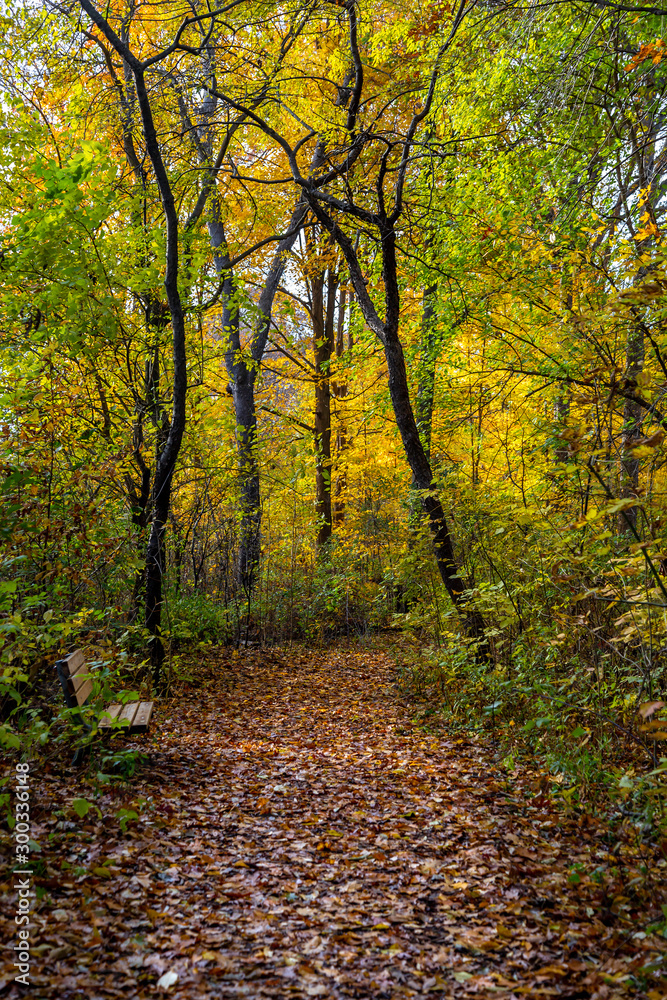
(166, 463)
(243, 364)
(388, 333)
(323, 347)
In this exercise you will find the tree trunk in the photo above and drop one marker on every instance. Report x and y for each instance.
(340, 392)
(323, 347)
(632, 421)
(425, 394)
(164, 472)
(166, 463)
(388, 334)
(427, 363)
(414, 449)
(243, 363)
(248, 465)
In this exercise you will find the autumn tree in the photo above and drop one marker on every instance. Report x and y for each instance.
(389, 158)
(158, 85)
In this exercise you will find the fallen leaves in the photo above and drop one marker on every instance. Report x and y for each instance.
(282, 852)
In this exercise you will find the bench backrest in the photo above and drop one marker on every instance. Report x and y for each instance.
(75, 678)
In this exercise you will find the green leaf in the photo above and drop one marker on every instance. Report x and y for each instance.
(9, 738)
(126, 816)
(81, 807)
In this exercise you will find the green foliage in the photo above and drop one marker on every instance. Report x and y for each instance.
(125, 817)
(81, 807)
(198, 618)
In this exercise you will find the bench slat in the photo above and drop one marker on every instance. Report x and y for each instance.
(74, 662)
(112, 713)
(80, 678)
(143, 717)
(82, 692)
(79, 675)
(76, 675)
(129, 712)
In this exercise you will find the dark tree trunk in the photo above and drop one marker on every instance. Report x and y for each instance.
(243, 367)
(139, 496)
(243, 390)
(166, 463)
(323, 347)
(425, 396)
(339, 389)
(164, 471)
(422, 476)
(426, 374)
(632, 422)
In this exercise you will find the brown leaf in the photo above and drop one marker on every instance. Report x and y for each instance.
(653, 726)
(649, 707)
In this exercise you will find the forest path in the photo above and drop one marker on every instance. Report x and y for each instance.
(303, 839)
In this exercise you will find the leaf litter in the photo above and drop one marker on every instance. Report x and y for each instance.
(294, 834)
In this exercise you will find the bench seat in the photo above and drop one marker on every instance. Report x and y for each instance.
(77, 684)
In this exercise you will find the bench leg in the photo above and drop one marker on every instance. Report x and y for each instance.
(79, 756)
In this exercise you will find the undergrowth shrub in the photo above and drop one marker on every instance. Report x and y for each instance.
(546, 712)
(196, 618)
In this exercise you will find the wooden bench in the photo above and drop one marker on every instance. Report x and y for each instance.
(77, 684)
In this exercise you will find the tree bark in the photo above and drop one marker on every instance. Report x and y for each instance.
(339, 389)
(426, 373)
(323, 347)
(166, 463)
(632, 422)
(243, 364)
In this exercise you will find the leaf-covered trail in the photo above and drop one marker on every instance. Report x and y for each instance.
(305, 840)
